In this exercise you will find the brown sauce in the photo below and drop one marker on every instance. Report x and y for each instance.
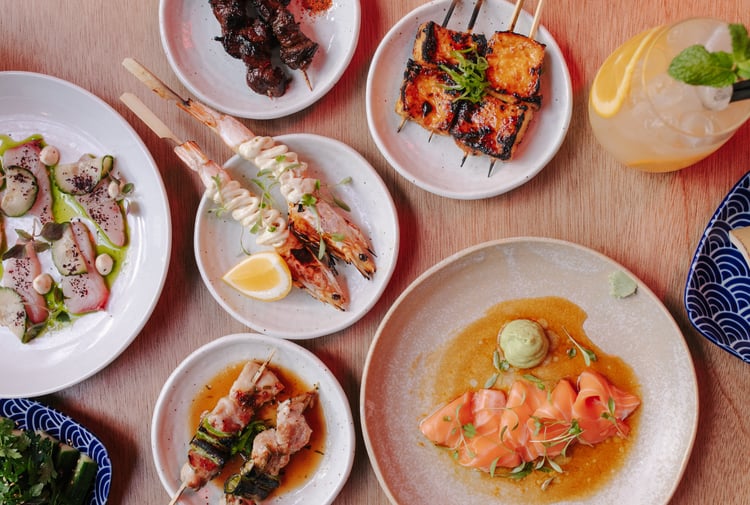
(465, 363)
(302, 464)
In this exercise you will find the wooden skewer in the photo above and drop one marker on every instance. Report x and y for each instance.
(254, 380)
(474, 15)
(146, 77)
(147, 116)
(449, 13)
(537, 17)
(516, 12)
(178, 493)
(492, 165)
(307, 79)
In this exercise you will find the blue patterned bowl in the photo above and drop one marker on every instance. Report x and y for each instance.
(31, 415)
(717, 293)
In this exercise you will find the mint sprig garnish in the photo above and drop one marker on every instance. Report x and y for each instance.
(697, 66)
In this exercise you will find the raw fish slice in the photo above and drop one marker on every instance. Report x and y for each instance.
(484, 449)
(27, 156)
(444, 426)
(86, 292)
(591, 408)
(524, 398)
(105, 211)
(19, 274)
(551, 420)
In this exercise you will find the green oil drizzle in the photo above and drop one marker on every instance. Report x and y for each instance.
(65, 208)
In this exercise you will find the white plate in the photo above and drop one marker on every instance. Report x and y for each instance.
(188, 28)
(171, 435)
(77, 122)
(436, 165)
(396, 389)
(299, 316)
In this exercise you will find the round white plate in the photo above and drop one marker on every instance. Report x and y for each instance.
(397, 387)
(78, 122)
(188, 28)
(219, 242)
(171, 435)
(435, 166)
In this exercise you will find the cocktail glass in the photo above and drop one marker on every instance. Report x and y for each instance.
(650, 121)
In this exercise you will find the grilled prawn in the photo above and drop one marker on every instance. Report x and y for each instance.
(308, 271)
(343, 239)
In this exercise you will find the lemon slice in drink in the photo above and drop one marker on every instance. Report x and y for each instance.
(612, 83)
(262, 276)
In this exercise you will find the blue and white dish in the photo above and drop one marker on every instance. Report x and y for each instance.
(31, 415)
(717, 292)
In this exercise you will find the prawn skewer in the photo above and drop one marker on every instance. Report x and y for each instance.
(308, 271)
(312, 217)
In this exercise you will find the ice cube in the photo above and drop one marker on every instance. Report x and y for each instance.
(714, 98)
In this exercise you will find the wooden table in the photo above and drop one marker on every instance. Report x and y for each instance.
(650, 223)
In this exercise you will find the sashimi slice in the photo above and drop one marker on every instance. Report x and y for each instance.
(552, 421)
(592, 408)
(444, 426)
(488, 431)
(27, 156)
(19, 274)
(524, 398)
(105, 211)
(88, 291)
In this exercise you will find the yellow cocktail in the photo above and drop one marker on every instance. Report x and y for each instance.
(650, 121)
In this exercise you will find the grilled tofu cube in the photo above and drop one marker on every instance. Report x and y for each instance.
(515, 65)
(435, 45)
(493, 126)
(425, 99)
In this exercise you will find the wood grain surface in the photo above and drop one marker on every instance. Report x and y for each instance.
(650, 223)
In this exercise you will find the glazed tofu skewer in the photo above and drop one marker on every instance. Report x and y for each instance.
(308, 271)
(313, 218)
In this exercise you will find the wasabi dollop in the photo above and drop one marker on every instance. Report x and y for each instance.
(523, 343)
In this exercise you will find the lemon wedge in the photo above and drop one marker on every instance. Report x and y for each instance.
(262, 276)
(612, 83)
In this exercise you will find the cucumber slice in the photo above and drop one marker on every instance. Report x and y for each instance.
(65, 462)
(66, 254)
(82, 479)
(12, 311)
(82, 176)
(20, 192)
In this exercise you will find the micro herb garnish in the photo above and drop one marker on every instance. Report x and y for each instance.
(27, 471)
(501, 365)
(697, 66)
(535, 380)
(610, 416)
(588, 354)
(469, 77)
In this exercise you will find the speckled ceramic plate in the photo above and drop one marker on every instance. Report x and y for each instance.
(77, 122)
(31, 415)
(717, 292)
(434, 164)
(188, 30)
(171, 433)
(219, 244)
(398, 387)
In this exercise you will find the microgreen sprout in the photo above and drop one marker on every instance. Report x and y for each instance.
(588, 354)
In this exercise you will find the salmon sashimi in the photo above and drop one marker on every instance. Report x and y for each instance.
(602, 408)
(487, 429)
